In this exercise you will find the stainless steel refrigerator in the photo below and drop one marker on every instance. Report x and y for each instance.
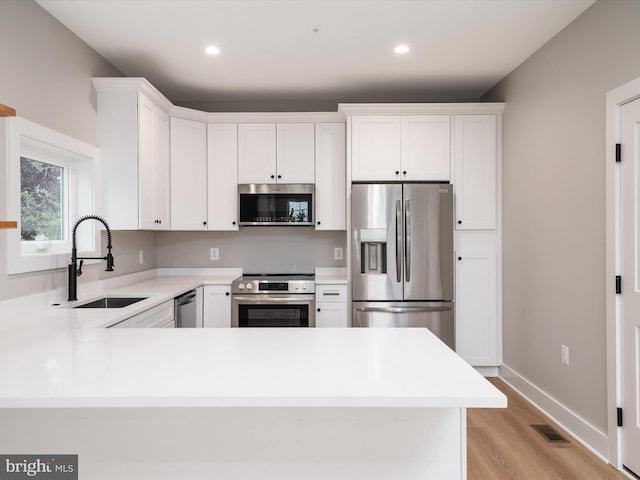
(402, 257)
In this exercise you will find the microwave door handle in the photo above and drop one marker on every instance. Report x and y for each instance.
(398, 240)
(407, 241)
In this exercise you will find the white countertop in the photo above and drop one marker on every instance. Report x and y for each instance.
(60, 357)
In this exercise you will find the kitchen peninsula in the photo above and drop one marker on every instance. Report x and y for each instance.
(237, 403)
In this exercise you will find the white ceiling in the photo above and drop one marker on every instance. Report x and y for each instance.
(459, 48)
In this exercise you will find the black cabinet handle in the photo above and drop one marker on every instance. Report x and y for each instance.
(397, 172)
(204, 223)
(227, 294)
(404, 172)
(233, 223)
(318, 222)
(459, 258)
(459, 222)
(273, 176)
(318, 309)
(279, 176)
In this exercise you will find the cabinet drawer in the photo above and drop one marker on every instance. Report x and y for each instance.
(331, 293)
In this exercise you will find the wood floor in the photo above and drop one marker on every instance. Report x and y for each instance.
(503, 445)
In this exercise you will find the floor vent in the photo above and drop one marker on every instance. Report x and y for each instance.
(550, 434)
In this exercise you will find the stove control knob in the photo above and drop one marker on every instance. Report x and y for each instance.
(297, 286)
(241, 286)
(249, 286)
(304, 286)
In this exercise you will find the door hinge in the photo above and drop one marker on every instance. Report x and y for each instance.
(618, 284)
(619, 413)
(618, 152)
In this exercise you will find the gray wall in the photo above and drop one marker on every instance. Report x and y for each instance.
(554, 203)
(46, 77)
(255, 249)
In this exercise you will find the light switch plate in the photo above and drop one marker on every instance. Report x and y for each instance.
(214, 254)
(338, 253)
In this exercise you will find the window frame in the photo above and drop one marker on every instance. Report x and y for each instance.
(24, 137)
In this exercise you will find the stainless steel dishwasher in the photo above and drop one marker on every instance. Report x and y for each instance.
(186, 307)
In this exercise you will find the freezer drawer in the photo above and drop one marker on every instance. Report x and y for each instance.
(436, 316)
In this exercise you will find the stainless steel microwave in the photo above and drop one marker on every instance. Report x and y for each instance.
(275, 204)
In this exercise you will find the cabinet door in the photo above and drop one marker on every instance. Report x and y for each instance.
(426, 147)
(331, 315)
(217, 306)
(475, 168)
(330, 194)
(188, 175)
(153, 166)
(375, 148)
(257, 153)
(476, 306)
(222, 161)
(295, 146)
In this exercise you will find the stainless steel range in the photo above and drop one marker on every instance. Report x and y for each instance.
(273, 300)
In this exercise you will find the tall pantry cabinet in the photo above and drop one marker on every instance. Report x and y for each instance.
(460, 144)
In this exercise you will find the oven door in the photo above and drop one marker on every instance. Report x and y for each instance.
(273, 311)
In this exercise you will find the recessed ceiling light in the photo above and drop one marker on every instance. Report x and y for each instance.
(401, 49)
(212, 50)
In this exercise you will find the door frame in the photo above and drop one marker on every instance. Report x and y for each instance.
(615, 99)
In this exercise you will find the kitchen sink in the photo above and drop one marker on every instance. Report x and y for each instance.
(112, 302)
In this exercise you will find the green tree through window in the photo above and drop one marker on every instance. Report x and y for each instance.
(41, 200)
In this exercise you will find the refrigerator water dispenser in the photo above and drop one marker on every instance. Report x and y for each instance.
(373, 250)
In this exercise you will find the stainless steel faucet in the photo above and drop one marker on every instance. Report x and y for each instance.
(74, 270)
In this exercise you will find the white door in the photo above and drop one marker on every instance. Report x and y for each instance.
(475, 163)
(630, 270)
(375, 148)
(295, 159)
(257, 153)
(426, 147)
(188, 174)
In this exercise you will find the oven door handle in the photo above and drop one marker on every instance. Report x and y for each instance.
(273, 299)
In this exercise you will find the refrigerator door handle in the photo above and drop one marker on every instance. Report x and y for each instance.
(398, 240)
(403, 309)
(407, 240)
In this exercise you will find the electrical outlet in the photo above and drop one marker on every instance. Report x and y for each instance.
(564, 355)
(338, 253)
(214, 254)
(141, 256)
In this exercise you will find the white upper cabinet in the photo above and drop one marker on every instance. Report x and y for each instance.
(400, 147)
(133, 134)
(222, 161)
(475, 161)
(276, 153)
(153, 166)
(188, 175)
(375, 148)
(330, 192)
(426, 147)
(295, 146)
(256, 153)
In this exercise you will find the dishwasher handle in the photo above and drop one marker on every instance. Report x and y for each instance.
(186, 299)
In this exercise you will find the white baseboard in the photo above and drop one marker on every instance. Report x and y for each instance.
(592, 438)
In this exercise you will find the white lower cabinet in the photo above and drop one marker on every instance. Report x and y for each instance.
(331, 306)
(217, 306)
(160, 316)
(477, 306)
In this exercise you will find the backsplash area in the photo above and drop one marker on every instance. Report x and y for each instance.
(254, 249)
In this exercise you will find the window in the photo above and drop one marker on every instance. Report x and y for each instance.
(42, 201)
(51, 183)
